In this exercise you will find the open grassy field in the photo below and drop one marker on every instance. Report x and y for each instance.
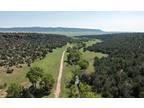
(51, 63)
(87, 55)
(18, 76)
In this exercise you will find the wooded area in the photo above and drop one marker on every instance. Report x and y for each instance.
(121, 74)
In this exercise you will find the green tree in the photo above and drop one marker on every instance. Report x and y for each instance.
(47, 82)
(73, 57)
(74, 91)
(34, 75)
(86, 91)
(83, 64)
(69, 49)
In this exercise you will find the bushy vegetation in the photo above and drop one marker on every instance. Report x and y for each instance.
(15, 90)
(121, 74)
(41, 85)
(77, 86)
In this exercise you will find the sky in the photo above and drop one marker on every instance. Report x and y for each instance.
(106, 21)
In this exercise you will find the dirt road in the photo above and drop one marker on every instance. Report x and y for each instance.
(58, 85)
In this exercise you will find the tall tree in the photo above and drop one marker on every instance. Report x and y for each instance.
(34, 75)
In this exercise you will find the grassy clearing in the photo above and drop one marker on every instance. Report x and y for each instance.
(91, 42)
(89, 55)
(50, 64)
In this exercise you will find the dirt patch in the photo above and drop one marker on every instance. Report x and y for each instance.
(3, 94)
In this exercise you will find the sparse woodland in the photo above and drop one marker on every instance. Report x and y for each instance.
(25, 48)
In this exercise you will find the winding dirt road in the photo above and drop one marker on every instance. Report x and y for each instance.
(58, 85)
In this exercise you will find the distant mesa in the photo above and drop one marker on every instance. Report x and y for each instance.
(49, 29)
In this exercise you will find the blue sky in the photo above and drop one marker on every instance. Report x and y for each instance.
(107, 21)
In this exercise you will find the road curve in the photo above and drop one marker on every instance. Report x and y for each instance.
(58, 85)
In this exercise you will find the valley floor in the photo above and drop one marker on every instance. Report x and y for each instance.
(51, 65)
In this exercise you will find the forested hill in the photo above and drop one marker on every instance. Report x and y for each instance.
(121, 74)
(49, 29)
(24, 48)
